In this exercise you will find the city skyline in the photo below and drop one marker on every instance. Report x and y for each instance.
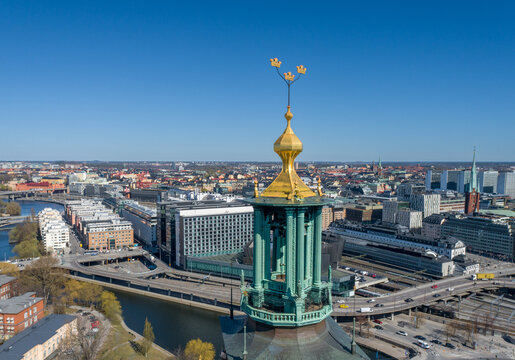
(165, 82)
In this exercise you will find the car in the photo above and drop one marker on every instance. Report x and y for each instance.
(409, 300)
(343, 306)
(420, 337)
(450, 346)
(436, 295)
(437, 342)
(378, 305)
(378, 327)
(402, 333)
(450, 289)
(341, 301)
(86, 313)
(434, 286)
(371, 301)
(373, 275)
(377, 321)
(347, 268)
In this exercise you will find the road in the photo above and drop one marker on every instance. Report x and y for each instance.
(423, 294)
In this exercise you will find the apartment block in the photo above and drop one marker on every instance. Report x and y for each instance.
(19, 312)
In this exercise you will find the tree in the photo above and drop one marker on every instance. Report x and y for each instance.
(9, 269)
(27, 230)
(198, 349)
(110, 306)
(13, 208)
(419, 319)
(44, 277)
(148, 337)
(362, 320)
(81, 343)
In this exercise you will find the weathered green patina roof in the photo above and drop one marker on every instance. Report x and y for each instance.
(322, 341)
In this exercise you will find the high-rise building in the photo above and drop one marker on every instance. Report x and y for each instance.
(487, 181)
(405, 190)
(506, 184)
(202, 228)
(412, 219)
(144, 222)
(434, 179)
(429, 204)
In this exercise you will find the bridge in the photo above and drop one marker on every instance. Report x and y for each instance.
(15, 194)
(11, 220)
(216, 291)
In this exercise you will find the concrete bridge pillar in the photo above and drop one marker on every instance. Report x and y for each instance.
(111, 280)
(216, 301)
(391, 316)
(168, 292)
(148, 287)
(409, 312)
(128, 283)
(93, 277)
(182, 296)
(191, 297)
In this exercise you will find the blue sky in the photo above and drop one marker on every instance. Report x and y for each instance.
(180, 80)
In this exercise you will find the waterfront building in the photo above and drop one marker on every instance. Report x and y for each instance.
(98, 227)
(41, 340)
(43, 186)
(54, 232)
(429, 204)
(144, 223)
(489, 235)
(19, 312)
(7, 286)
(288, 305)
(202, 229)
(506, 184)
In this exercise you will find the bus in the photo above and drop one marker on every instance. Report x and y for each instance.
(91, 252)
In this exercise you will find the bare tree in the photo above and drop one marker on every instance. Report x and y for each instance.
(82, 343)
(487, 321)
(362, 320)
(419, 319)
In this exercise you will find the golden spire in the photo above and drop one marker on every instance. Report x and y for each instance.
(319, 187)
(256, 190)
(288, 146)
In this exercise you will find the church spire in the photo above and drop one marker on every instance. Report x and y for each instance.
(473, 173)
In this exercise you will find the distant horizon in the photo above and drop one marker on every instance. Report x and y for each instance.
(268, 161)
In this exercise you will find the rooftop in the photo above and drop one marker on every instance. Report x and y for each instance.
(18, 303)
(40, 332)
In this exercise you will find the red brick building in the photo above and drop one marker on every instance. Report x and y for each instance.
(7, 286)
(19, 312)
(44, 185)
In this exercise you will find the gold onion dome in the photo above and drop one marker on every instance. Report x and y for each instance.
(288, 184)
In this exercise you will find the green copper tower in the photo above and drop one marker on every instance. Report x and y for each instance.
(287, 289)
(287, 306)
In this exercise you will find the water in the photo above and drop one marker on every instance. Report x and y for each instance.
(26, 209)
(175, 324)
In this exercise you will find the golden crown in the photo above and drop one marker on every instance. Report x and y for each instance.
(275, 63)
(301, 69)
(289, 76)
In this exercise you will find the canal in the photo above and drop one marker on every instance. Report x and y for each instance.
(175, 324)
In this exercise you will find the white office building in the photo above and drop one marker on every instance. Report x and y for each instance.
(429, 204)
(506, 184)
